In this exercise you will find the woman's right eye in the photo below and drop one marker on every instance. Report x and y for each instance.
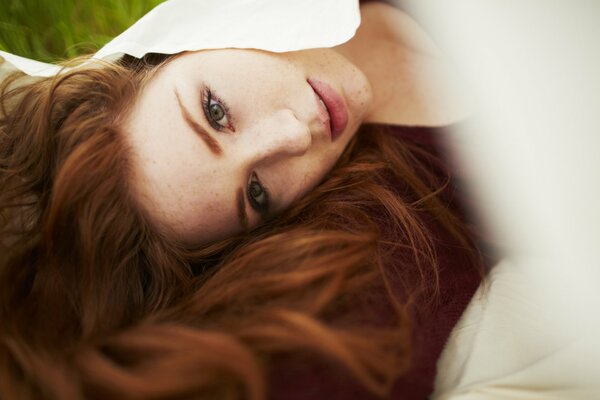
(215, 111)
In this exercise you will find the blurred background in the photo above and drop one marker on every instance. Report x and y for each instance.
(54, 30)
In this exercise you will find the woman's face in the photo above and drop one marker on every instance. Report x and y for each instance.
(225, 139)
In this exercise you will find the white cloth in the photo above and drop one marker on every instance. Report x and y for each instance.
(511, 343)
(186, 25)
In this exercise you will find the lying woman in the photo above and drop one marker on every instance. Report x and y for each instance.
(234, 223)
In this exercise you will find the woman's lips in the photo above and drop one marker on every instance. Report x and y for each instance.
(338, 114)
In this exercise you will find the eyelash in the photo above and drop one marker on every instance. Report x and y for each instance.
(207, 96)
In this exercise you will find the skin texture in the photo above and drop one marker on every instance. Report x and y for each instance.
(274, 133)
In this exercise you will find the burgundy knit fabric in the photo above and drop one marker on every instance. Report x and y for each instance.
(297, 378)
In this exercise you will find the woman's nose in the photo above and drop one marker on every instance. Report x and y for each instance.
(282, 134)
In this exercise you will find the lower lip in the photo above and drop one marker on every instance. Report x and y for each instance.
(334, 103)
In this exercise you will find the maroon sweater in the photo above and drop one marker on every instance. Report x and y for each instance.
(431, 325)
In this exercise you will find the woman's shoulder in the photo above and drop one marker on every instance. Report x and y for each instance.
(413, 80)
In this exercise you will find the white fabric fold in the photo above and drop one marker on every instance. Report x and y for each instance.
(187, 25)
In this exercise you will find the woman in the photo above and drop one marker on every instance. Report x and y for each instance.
(182, 227)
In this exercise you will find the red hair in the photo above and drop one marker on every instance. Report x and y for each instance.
(96, 302)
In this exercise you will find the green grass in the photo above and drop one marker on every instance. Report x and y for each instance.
(54, 30)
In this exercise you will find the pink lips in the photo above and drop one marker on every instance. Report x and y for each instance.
(338, 114)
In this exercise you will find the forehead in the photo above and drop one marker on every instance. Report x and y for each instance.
(232, 62)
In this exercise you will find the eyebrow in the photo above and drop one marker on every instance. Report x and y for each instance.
(210, 141)
(241, 206)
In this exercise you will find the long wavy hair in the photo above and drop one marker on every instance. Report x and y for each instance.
(96, 302)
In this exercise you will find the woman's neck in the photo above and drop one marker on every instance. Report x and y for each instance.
(412, 82)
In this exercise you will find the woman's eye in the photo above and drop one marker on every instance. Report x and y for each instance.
(215, 111)
(258, 196)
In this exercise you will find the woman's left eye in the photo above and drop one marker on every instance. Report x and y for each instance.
(258, 196)
(215, 111)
